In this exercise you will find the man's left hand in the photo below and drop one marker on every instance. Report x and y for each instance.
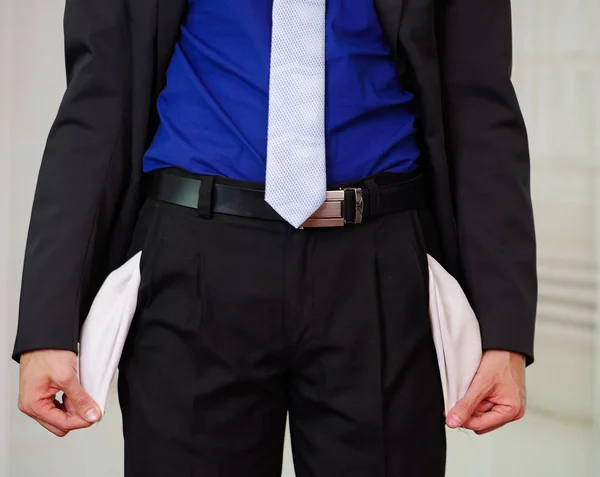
(496, 395)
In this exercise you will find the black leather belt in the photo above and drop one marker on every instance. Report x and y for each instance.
(345, 204)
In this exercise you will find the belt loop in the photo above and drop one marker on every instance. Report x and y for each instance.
(374, 201)
(205, 196)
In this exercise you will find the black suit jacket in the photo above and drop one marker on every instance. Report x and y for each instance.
(454, 55)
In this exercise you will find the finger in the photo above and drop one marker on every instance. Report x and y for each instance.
(54, 430)
(484, 406)
(497, 417)
(50, 414)
(58, 404)
(68, 406)
(464, 409)
(84, 406)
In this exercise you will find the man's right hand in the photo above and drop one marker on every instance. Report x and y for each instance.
(43, 374)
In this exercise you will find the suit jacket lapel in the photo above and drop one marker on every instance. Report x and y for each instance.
(390, 16)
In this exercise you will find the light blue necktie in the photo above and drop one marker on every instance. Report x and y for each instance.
(296, 180)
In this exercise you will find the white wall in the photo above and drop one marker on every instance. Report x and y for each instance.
(557, 73)
(32, 75)
(5, 59)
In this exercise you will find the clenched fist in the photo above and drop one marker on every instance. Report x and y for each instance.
(43, 374)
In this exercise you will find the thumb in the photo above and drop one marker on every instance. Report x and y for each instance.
(465, 408)
(84, 405)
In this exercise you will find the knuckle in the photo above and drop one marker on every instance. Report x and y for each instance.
(516, 408)
(64, 378)
(25, 406)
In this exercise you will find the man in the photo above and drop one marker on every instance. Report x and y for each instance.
(296, 161)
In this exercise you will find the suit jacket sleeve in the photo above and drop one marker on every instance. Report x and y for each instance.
(74, 203)
(489, 160)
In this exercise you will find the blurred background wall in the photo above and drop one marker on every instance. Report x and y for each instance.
(556, 73)
(5, 39)
(557, 76)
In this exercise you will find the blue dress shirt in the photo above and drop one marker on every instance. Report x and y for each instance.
(213, 111)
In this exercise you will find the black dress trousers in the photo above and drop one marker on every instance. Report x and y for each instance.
(241, 321)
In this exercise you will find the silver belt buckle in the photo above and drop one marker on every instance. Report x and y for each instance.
(331, 213)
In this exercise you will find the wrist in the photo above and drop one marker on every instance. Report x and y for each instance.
(510, 356)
